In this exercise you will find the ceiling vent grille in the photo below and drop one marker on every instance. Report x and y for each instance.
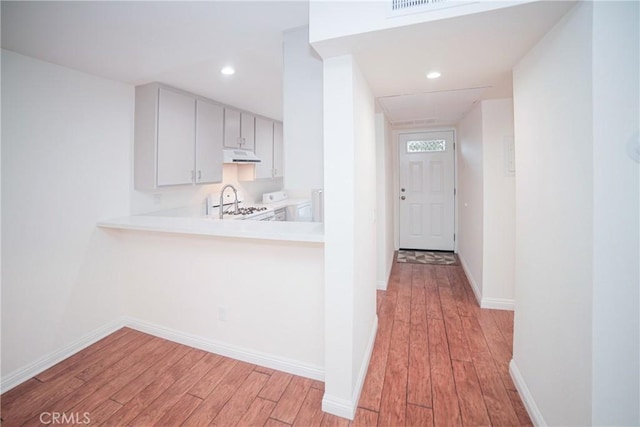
(404, 7)
(398, 5)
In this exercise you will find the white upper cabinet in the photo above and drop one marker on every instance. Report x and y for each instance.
(278, 150)
(268, 148)
(209, 125)
(248, 131)
(178, 138)
(232, 128)
(176, 133)
(239, 129)
(264, 148)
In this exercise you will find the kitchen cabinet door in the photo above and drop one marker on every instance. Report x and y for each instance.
(231, 128)
(209, 135)
(247, 131)
(176, 135)
(278, 150)
(264, 148)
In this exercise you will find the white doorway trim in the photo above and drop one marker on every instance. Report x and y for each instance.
(395, 134)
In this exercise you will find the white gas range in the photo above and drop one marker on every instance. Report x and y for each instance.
(244, 212)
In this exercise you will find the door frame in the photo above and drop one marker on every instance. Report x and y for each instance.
(395, 134)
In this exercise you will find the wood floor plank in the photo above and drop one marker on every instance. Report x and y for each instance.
(405, 273)
(499, 348)
(103, 361)
(310, 413)
(94, 393)
(317, 385)
(442, 277)
(264, 370)
(158, 408)
(466, 303)
(101, 413)
(133, 388)
(108, 343)
(504, 321)
(9, 398)
(209, 381)
(403, 309)
(271, 422)
(235, 407)
(374, 380)
(419, 375)
(365, 418)
(38, 399)
(458, 346)
(209, 408)
(495, 395)
(276, 386)
(472, 406)
(445, 400)
(180, 411)
(394, 393)
(291, 400)
(138, 402)
(258, 413)
(432, 301)
(518, 406)
(330, 420)
(418, 416)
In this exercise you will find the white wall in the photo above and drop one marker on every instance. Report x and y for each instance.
(554, 220)
(66, 142)
(498, 258)
(365, 225)
(350, 253)
(470, 197)
(616, 257)
(384, 206)
(202, 287)
(302, 114)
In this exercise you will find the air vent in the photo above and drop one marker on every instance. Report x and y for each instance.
(404, 7)
(410, 4)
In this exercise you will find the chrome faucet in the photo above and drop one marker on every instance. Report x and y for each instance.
(235, 203)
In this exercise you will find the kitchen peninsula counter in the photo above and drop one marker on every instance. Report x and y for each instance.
(312, 232)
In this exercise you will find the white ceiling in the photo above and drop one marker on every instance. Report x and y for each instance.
(472, 51)
(184, 44)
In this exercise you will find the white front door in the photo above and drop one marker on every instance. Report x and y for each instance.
(426, 190)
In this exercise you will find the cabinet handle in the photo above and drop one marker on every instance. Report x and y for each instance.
(199, 175)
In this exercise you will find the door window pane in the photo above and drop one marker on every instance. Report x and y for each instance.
(426, 146)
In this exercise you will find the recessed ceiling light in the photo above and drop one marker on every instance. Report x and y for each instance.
(227, 71)
(433, 75)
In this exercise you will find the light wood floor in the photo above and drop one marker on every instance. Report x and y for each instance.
(438, 360)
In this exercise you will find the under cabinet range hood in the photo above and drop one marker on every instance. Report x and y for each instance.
(237, 155)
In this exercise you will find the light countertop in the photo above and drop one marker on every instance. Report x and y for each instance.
(312, 232)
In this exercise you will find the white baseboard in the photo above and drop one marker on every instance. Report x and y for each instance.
(23, 374)
(246, 355)
(525, 394)
(474, 285)
(347, 408)
(498, 303)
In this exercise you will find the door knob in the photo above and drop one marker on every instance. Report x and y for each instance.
(402, 198)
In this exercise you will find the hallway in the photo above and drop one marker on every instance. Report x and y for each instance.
(438, 358)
